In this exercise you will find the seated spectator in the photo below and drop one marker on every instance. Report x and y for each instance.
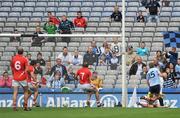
(161, 59)
(50, 28)
(137, 68)
(80, 21)
(168, 80)
(65, 56)
(106, 57)
(177, 70)
(40, 59)
(77, 59)
(71, 76)
(153, 9)
(43, 82)
(60, 67)
(165, 3)
(37, 41)
(143, 2)
(65, 27)
(142, 50)
(96, 81)
(14, 38)
(114, 61)
(5, 80)
(131, 56)
(47, 69)
(90, 57)
(38, 71)
(144, 72)
(56, 81)
(172, 55)
(28, 56)
(96, 50)
(116, 15)
(104, 46)
(52, 18)
(140, 17)
(116, 47)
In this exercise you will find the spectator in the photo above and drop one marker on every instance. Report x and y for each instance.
(177, 70)
(144, 72)
(172, 55)
(50, 28)
(161, 59)
(165, 3)
(14, 38)
(48, 68)
(71, 76)
(90, 57)
(140, 17)
(80, 21)
(116, 15)
(142, 51)
(168, 80)
(40, 60)
(153, 9)
(144, 2)
(65, 56)
(95, 49)
(38, 71)
(37, 41)
(66, 27)
(60, 68)
(96, 81)
(28, 56)
(105, 58)
(114, 61)
(116, 47)
(52, 18)
(56, 81)
(5, 80)
(136, 68)
(77, 59)
(131, 56)
(104, 46)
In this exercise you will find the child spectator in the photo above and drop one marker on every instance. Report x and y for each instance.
(140, 17)
(144, 72)
(5, 80)
(168, 81)
(114, 61)
(116, 15)
(71, 76)
(40, 59)
(142, 50)
(80, 21)
(56, 81)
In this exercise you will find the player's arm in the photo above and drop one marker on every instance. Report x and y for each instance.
(33, 76)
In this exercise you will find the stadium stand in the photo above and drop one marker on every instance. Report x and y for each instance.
(24, 15)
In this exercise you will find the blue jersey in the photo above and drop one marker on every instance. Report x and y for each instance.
(153, 77)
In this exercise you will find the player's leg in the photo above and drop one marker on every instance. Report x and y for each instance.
(89, 94)
(15, 93)
(35, 96)
(26, 94)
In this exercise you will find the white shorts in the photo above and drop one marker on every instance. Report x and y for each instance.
(86, 87)
(19, 83)
(30, 85)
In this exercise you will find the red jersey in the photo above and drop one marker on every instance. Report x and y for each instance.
(80, 22)
(55, 20)
(84, 74)
(18, 66)
(30, 70)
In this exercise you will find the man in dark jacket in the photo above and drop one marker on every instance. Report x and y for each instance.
(59, 67)
(90, 57)
(137, 67)
(37, 41)
(66, 27)
(173, 56)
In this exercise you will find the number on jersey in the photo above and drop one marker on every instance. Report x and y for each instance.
(17, 65)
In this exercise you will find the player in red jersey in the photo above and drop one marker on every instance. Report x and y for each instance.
(84, 75)
(19, 65)
(32, 82)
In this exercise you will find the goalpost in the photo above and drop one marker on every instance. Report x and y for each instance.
(124, 98)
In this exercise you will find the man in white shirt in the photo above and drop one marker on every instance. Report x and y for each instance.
(116, 47)
(77, 59)
(65, 56)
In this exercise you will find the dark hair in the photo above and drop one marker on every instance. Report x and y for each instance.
(49, 12)
(50, 21)
(64, 47)
(20, 51)
(151, 65)
(79, 12)
(39, 53)
(33, 62)
(85, 64)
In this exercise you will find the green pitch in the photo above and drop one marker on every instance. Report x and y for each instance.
(90, 113)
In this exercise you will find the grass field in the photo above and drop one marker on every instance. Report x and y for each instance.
(90, 113)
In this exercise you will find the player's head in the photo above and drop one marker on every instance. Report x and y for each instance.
(20, 51)
(151, 65)
(33, 63)
(94, 75)
(85, 64)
